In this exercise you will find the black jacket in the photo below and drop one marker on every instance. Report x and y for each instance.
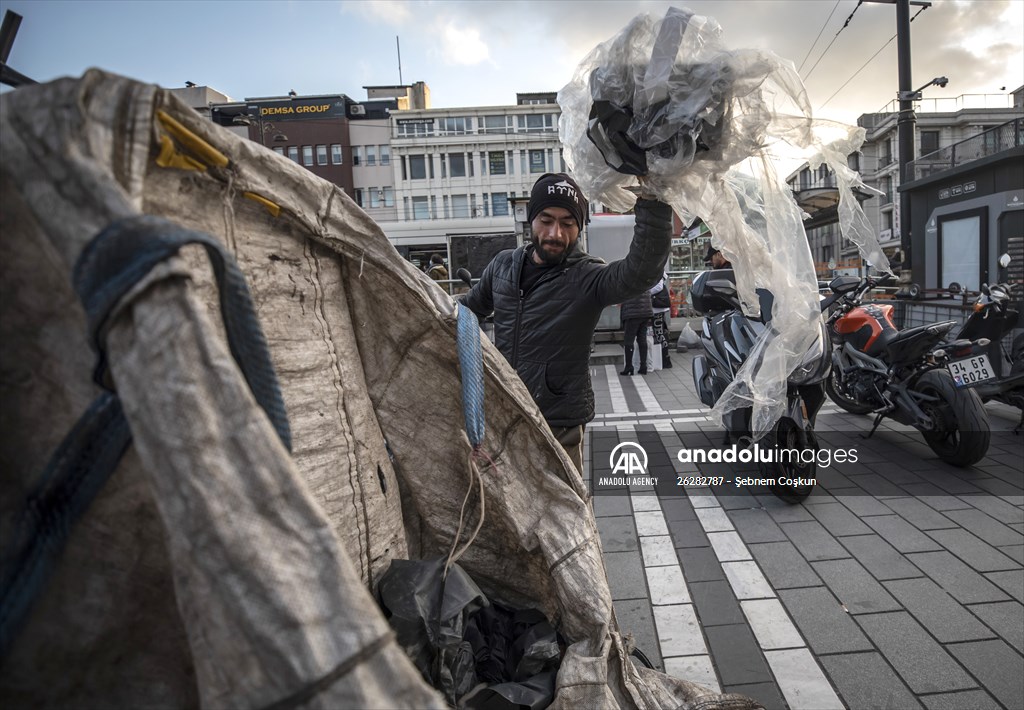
(546, 335)
(637, 308)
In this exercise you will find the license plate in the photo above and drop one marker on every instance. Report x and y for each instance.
(970, 371)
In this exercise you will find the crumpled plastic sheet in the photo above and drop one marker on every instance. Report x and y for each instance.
(708, 126)
(478, 653)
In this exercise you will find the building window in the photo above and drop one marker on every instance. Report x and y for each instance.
(460, 206)
(417, 167)
(496, 162)
(496, 124)
(357, 155)
(416, 129)
(293, 152)
(929, 142)
(389, 196)
(455, 125)
(357, 195)
(960, 252)
(420, 208)
(336, 154)
(537, 161)
(307, 155)
(321, 155)
(385, 155)
(853, 161)
(486, 205)
(279, 150)
(537, 122)
(375, 196)
(457, 164)
(805, 178)
(371, 155)
(444, 198)
(499, 204)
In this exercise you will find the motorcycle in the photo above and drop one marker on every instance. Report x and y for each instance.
(908, 375)
(993, 318)
(728, 338)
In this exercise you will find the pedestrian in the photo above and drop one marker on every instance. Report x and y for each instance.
(547, 297)
(716, 259)
(436, 269)
(636, 315)
(661, 302)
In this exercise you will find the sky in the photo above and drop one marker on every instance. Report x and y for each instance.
(480, 53)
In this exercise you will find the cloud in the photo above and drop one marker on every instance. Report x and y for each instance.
(390, 12)
(462, 45)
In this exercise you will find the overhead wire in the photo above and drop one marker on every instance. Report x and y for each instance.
(854, 76)
(815, 43)
(845, 25)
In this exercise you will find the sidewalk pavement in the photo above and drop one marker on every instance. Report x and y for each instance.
(898, 584)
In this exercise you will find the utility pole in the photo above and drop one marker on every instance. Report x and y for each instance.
(906, 124)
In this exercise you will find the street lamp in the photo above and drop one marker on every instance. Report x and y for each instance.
(245, 119)
(915, 95)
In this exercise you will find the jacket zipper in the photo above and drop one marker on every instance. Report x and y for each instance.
(519, 317)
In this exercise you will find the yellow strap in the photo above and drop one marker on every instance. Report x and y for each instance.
(170, 157)
(272, 207)
(205, 151)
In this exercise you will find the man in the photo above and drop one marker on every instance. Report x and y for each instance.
(547, 298)
(436, 270)
(716, 260)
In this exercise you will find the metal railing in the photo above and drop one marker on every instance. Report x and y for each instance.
(994, 140)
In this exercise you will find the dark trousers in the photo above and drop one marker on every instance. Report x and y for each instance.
(571, 439)
(633, 329)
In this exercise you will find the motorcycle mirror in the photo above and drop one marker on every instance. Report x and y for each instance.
(1004, 260)
(954, 288)
(467, 278)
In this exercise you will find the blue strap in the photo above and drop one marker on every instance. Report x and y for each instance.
(471, 361)
(110, 265)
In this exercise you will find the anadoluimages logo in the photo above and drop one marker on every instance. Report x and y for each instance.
(629, 459)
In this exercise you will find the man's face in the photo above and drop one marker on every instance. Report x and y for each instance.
(554, 232)
(717, 260)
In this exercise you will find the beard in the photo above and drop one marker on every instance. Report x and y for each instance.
(551, 253)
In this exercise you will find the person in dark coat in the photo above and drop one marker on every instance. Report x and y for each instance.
(716, 259)
(636, 315)
(436, 269)
(547, 297)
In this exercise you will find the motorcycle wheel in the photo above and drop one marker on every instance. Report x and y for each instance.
(847, 403)
(962, 434)
(787, 436)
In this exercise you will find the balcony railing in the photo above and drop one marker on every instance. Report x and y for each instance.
(994, 140)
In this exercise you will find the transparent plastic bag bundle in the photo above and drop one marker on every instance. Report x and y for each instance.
(707, 127)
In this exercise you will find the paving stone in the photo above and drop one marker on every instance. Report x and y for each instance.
(667, 585)
(814, 542)
(737, 655)
(863, 505)
(677, 509)
(747, 580)
(771, 624)
(997, 486)
(783, 512)
(963, 583)
(612, 505)
(972, 550)
(877, 485)
(879, 557)
(687, 533)
(854, 587)
(768, 694)
(934, 497)
(901, 534)
(650, 523)
(827, 628)
(696, 669)
(713, 519)
(802, 681)
(922, 663)
(1005, 618)
(937, 611)
(625, 575)
(636, 616)
(716, 603)
(838, 520)
(679, 632)
(1014, 552)
(1010, 582)
(643, 502)
(658, 551)
(784, 566)
(866, 682)
(700, 564)
(996, 508)
(728, 546)
(972, 699)
(618, 534)
(951, 483)
(998, 667)
(986, 527)
(918, 514)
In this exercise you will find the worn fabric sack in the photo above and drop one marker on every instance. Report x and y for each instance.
(214, 567)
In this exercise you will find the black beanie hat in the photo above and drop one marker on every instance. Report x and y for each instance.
(558, 190)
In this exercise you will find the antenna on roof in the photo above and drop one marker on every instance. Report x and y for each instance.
(399, 48)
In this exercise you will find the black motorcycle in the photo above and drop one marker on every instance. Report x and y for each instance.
(1000, 375)
(729, 338)
(908, 375)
